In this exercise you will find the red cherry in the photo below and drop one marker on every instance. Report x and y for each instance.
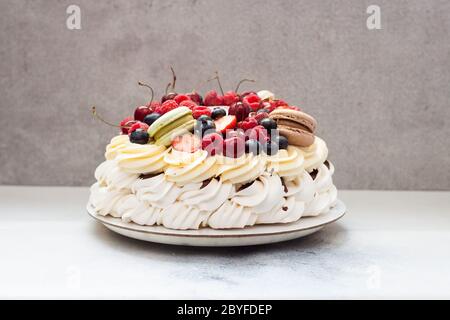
(213, 143)
(153, 105)
(240, 110)
(213, 99)
(141, 112)
(251, 98)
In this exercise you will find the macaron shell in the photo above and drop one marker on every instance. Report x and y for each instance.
(173, 125)
(295, 116)
(297, 137)
(167, 119)
(166, 139)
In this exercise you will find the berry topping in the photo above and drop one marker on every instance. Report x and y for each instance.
(213, 99)
(180, 98)
(233, 147)
(186, 143)
(281, 141)
(136, 126)
(150, 118)
(218, 113)
(252, 146)
(269, 124)
(251, 98)
(194, 96)
(204, 118)
(153, 105)
(139, 136)
(167, 106)
(213, 143)
(261, 115)
(126, 123)
(240, 110)
(230, 97)
(257, 133)
(202, 128)
(141, 112)
(270, 148)
(188, 103)
(248, 123)
(169, 96)
(226, 123)
(200, 110)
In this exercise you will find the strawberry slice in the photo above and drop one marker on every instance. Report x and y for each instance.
(225, 123)
(186, 143)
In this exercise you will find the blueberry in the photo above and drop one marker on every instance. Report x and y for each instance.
(139, 136)
(269, 124)
(201, 127)
(150, 118)
(204, 118)
(262, 110)
(252, 146)
(218, 113)
(282, 142)
(271, 148)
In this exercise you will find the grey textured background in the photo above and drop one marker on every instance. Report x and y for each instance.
(381, 97)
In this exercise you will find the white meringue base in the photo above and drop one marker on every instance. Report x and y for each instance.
(218, 205)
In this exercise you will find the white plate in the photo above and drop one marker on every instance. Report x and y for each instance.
(207, 237)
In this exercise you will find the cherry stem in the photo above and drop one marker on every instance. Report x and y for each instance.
(146, 85)
(174, 78)
(218, 81)
(167, 88)
(242, 81)
(96, 115)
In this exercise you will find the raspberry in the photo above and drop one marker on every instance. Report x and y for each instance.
(153, 105)
(188, 103)
(248, 124)
(181, 97)
(126, 123)
(233, 147)
(213, 143)
(200, 110)
(258, 133)
(261, 115)
(230, 97)
(251, 98)
(254, 105)
(138, 125)
(166, 106)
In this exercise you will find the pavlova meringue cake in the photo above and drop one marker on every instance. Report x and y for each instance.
(225, 161)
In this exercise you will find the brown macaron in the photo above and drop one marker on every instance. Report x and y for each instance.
(298, 127)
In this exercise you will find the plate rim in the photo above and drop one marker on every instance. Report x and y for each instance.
(264, 234)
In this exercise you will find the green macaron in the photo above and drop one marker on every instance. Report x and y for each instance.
(167, 119)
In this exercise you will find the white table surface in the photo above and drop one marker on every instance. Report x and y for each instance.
(389, 245)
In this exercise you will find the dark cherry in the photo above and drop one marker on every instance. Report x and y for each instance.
(252, 146)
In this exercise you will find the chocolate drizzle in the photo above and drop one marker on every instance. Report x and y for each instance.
(284, 186)
(147, 176)
(205, 183)
(314, 173)
(327, 164)
(244, 186)
(284, 208)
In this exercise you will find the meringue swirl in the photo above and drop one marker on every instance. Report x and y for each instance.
(241, 170)
(117, 143)
(315, 154)
(186, 167)
(141, 158)
(287, 163)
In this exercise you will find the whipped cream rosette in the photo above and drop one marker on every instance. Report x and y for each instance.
(184, 165)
